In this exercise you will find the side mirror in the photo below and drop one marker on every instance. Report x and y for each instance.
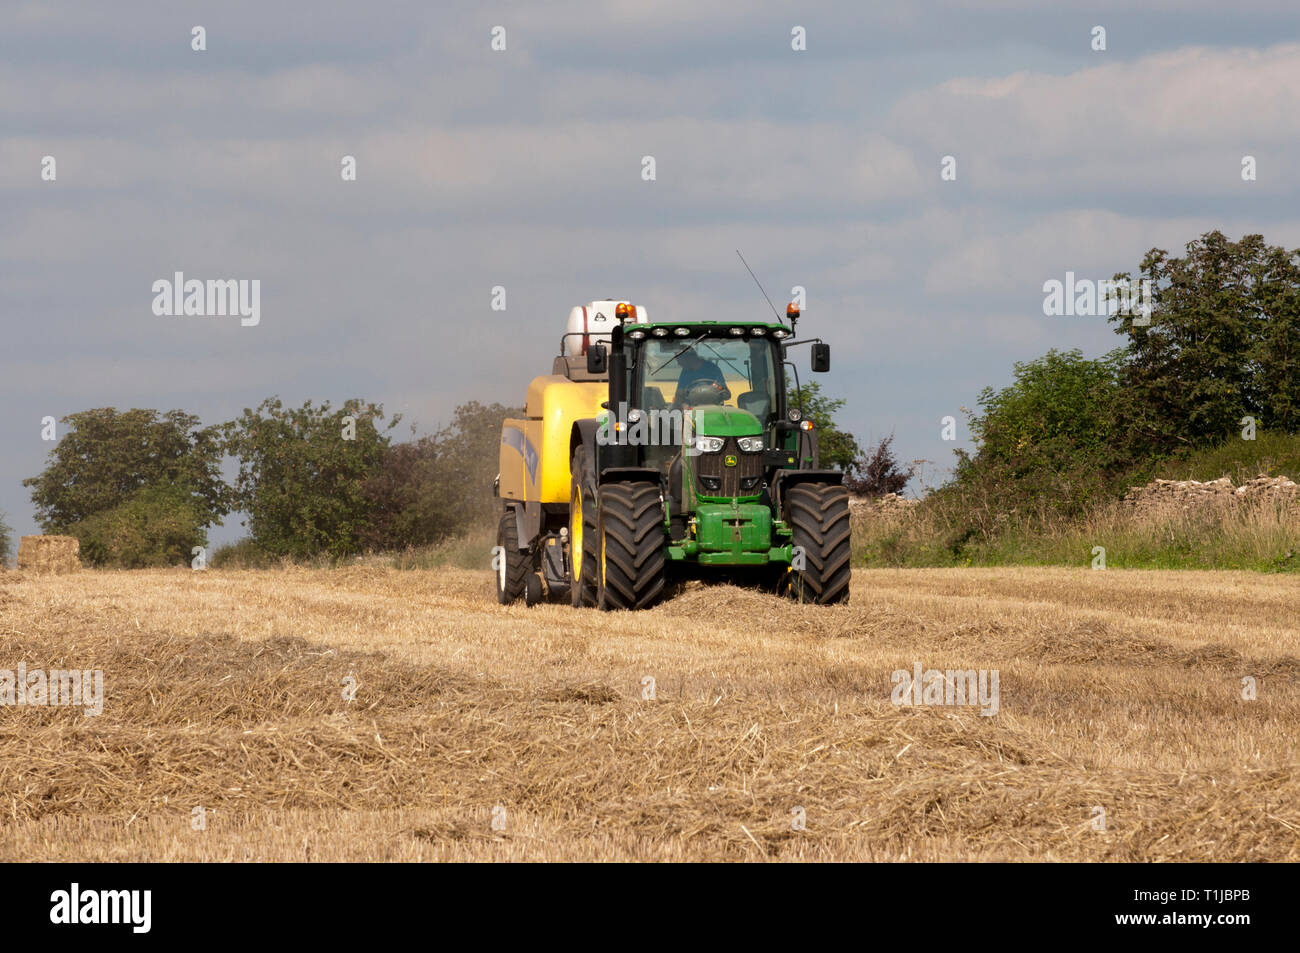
(821, 358)
(597, 359)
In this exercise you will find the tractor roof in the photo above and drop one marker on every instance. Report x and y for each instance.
(721, 328)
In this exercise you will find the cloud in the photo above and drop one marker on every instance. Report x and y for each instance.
(1170, 123)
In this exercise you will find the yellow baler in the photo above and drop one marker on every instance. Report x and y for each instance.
(535, 451)
(535, 455)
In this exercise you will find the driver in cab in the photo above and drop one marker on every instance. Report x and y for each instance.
(700, 382)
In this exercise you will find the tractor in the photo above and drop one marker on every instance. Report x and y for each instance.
(662, 449)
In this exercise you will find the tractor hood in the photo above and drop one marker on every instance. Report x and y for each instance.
(715, 420)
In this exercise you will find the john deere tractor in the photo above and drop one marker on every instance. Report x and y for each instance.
(659, 449)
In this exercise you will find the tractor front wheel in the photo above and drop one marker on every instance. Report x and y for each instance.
(632, 544)
(819, 515)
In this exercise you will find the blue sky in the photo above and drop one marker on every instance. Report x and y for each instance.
(522, 169)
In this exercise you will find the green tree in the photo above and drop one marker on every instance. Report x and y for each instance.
(469, 451)
(438, 486)
(1051, 435)
(1276, 352)
(836, 447)
(155, 526)
(1059, 407)
(1223, 343)
(302, 473)
(6, 541)
(395, 490)
(109, 460)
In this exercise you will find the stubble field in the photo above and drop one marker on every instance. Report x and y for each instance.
(1121, 732)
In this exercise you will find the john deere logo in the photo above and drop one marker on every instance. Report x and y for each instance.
(730, 460)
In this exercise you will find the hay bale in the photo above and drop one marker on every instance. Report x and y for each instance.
(52, 554)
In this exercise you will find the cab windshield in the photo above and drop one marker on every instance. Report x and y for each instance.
(695, 372)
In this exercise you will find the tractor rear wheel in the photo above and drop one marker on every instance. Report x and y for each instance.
(632, 546)
(512, 565)
(819, 515)
(582, 532)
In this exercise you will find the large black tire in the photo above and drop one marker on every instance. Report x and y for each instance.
(513, 565)
(632, 546)
(819, 515)
(583, 542)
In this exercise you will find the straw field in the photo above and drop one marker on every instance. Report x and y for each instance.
(1121, 732)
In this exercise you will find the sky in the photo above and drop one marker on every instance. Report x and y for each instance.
(523, 168)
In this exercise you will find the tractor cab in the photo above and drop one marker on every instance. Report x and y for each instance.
(709, 398)
(703, 405)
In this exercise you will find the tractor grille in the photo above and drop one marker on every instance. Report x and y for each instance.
(714, 478)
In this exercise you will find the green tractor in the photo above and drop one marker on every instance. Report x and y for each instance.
(695, 463)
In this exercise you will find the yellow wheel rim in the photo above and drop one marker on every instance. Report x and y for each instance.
(602, 557)
(575, 535)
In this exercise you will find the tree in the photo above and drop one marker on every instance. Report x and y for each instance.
(877, 472)
(302, 474)
(394, 490)
(438, 486)
(1059, 408)
(1223, 343)
(469, 452)
(1276, 351)
(6, 542)
(125, 463)
(837, 448)
(155, 526)
(1051, 435)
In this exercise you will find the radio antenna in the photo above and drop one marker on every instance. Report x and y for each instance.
(760, 285)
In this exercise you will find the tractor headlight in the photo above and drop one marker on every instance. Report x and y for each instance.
(708, 444)
(750, 444)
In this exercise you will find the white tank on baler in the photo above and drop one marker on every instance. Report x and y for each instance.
(591, 323)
